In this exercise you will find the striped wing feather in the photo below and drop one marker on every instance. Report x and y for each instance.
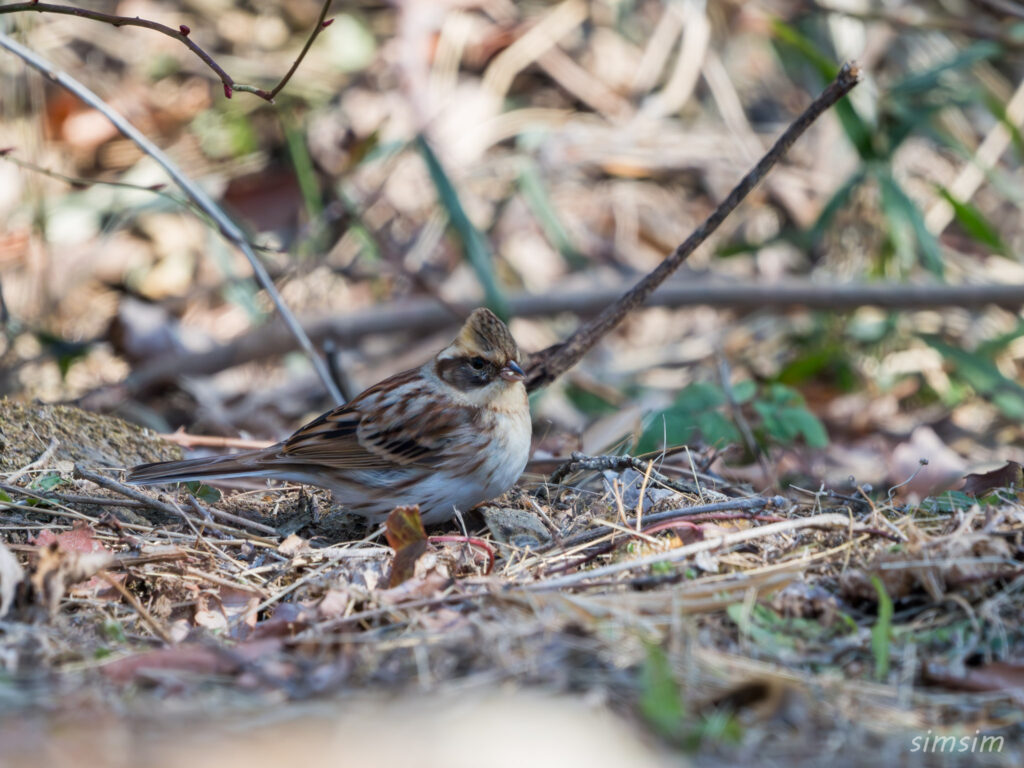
(378, 430)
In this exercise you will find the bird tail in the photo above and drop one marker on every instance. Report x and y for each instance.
(207, 468)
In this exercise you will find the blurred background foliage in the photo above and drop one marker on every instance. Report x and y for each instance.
(429, 153)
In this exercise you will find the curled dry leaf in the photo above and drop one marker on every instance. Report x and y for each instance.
(982, 484)
(293, 545)
(406, 535)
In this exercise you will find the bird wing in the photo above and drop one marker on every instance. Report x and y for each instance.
(385, 426)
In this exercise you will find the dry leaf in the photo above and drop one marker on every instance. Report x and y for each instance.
(293, 545)
(406, 535)
(981, 484)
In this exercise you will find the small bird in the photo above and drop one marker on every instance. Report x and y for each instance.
(446, 436)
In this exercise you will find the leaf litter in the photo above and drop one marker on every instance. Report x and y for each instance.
(697, 624)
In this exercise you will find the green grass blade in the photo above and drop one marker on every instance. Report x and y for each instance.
(902, 213)
(974, 223)
(474, 246)
(881, 632)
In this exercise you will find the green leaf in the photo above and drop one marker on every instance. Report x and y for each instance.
(49, 481)
(785, 418)
(697, 408)
(660, 700)
(998, 109)
(305, 173)
(5, 498)
(699, 396)
(474, 246)
(903, 215)
(974, 223)
(984, 377)
(881, 632)
(203, 492)
(808, 426)
(742, 391)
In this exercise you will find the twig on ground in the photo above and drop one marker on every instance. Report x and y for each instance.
(185, 440)
(580, 461)
(750, 505)
(228, 228)
(182, 34)
(125, 490)
(548, 364)
(146, 616)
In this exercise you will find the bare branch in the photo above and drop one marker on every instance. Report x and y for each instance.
(182, 34)
(423, 316)
(322, 23)
(549, 364)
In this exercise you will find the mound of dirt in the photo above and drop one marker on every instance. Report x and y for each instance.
(90, 439)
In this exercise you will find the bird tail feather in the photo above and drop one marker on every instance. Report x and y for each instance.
(206, 468)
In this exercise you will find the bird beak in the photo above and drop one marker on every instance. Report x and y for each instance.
(512, 372)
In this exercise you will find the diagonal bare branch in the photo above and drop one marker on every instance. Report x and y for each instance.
(548, 364)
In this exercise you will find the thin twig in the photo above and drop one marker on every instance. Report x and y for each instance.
(321, 25)
(185, 440)
(146, 616)
(580, 461)
(228, 228)
(126, 490)
(182, 34)
(79, 182)
(549, 364)
(750, 505)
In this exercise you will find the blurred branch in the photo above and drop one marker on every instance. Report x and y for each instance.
(423, 316)
(182, 35)
(227, 227)
(547, 365)
(914, 18)
(80, 183)
(5, 315)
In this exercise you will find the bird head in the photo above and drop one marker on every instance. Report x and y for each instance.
(482, 357)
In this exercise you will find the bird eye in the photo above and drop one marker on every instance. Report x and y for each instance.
(478, 363)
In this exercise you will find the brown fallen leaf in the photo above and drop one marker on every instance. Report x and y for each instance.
(293, 545)
(983, 483)
(406, 535)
